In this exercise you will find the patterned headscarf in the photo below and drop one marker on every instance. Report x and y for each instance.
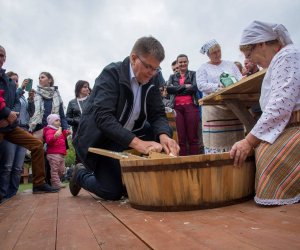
(205, 48)
(259, 32)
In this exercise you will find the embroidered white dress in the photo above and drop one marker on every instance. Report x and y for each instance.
(220, 127)
(277, 156)
(280, 94)
(208, 76)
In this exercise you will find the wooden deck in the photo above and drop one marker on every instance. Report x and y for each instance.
(60, 221)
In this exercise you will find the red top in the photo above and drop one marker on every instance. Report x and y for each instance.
(55, 145)
(2, 101)
(183, 99)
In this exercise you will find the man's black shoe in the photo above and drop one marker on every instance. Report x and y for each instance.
(44, 188)
(73, 185)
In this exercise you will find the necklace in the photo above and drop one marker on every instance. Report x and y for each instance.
(78, 102)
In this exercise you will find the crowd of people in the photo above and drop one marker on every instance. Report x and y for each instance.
(127, 109)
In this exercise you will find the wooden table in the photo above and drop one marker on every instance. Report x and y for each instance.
(239, 97)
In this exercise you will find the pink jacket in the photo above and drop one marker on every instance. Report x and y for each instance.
(55, 145)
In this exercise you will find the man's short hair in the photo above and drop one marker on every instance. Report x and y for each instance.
(11, 73)
(174, 63)
(149, 46)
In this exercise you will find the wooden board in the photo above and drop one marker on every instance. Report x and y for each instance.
(129, 154)
(61, 221)
(156, 155)
(84, 222)
(246, 90)
(115, 155)
(242, 226)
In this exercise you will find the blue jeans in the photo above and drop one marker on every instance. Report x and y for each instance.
(11, 166)
(106, 180)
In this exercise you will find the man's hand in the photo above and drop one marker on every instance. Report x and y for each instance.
(145, 146)
(169, 145)
(3, 123)
(12, 117)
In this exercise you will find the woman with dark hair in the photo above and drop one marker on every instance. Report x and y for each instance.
(47, 100)
(182, 88)
(75, 106)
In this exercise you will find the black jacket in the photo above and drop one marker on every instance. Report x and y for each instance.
(11, 99)
(174, 88)
(108, 109)
(73, 113)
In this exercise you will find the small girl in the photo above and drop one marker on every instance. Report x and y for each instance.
(56, 148)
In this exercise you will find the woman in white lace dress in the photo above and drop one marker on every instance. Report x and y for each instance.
(276, 135)
(220, 126)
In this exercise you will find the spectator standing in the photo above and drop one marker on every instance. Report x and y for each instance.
(55, 138)
(47, 101)
(76, 106)
(174, 67)
(240, 66)
(276, 135)
(220, 127)
(12, 156)
(250, 68)
(182, 89)
(9, 131)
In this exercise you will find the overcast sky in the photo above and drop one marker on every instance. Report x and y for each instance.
(75, 39)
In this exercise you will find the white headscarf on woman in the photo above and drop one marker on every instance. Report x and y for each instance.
(259, 32)
(205, 48)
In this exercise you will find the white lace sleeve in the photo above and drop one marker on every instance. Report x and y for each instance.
(280, 92)
(203, 83)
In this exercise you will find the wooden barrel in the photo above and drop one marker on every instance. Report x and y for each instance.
(187, 182)
(172, 123)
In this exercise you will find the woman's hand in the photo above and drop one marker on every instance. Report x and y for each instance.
(31, 95)
(24, 84)
(239, 152)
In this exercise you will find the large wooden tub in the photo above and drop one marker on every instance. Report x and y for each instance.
(187, 182)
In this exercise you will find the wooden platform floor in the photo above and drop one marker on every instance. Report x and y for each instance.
(60, 221)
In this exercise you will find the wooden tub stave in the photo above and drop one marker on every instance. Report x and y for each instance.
(187, 182)
(172, 123)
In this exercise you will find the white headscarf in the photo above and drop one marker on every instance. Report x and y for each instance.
(259, 32)
(205, 48)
